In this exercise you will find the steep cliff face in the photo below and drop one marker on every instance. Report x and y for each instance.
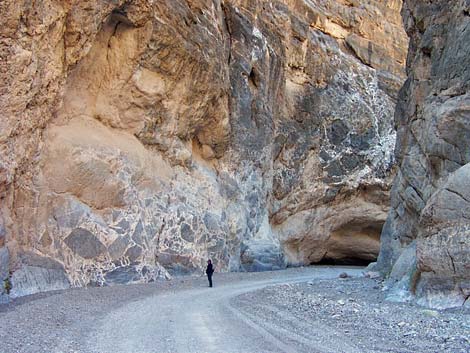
(426, 240)
(140, 138)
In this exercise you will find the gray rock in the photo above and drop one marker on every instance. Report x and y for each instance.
(372, 274)
(4, 264)
(362, 141)
(134, 252)
(118, 247)
(83, 243)
(334, 169)
(431, 197)
(122, 275)
(176, 264)
(439, 292)
(404, 276)
(350, 161)
(405, 262)
(261, 256)
(70, 213)
(33, 259)
(186, 232)
(337, 132)
(137, 235)
(3, 233)
(122, 227)
(31, 279)
(228, 186)
(211, 221)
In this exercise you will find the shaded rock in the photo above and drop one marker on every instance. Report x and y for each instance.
(133, 253)
(261, 256)
(211, 221)
(372, 274)
(122, 275)
(84, 243)
(439, 293)
(118, 247)
(37, 274)
(33, 259)
(122, 227)
(177, 264)
(404, 276)
(430, 195)
(186, 232)
(337, 132)
(137, 235)
(2, 234)
(4, 263)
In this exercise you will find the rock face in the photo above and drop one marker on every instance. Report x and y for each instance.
(426, 241)
(139, 138)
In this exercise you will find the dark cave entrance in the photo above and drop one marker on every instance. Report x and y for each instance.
(344, 262)
(354, 243)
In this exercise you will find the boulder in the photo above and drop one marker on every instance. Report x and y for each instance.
(84, 243)
(37, 274)
(261, 256)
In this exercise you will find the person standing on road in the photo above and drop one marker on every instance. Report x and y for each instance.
(209, 272)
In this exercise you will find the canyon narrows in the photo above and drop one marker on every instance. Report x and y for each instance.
(139, 138)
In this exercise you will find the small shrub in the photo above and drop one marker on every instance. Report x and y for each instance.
(7, 286)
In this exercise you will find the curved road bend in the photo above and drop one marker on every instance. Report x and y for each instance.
(204, 320)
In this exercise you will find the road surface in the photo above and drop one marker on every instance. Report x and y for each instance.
(207, 320)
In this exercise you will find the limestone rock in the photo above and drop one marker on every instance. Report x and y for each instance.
(430, 200)
(30, 280)
(83, 243)
(37, 274)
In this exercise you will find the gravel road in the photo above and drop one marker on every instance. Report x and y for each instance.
(244, 312)
(199, 320)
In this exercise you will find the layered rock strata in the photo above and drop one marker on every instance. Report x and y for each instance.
(426, 240)
(139, 138)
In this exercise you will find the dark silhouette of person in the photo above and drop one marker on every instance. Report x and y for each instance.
(209, 272)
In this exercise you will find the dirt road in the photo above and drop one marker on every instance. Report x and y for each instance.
(204, 320)
(296, 310)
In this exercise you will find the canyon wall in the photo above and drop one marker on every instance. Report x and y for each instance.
(426, 240)
(139, 138)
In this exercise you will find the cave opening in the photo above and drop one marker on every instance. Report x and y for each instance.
(354, 243)
(352, 261)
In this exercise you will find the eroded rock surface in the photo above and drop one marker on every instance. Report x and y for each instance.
(430, 216)
(139, 138)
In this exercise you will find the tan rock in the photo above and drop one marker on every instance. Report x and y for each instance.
(141, 137)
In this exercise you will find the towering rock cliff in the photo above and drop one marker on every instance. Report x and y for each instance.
(139, 138)
(426, 240)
